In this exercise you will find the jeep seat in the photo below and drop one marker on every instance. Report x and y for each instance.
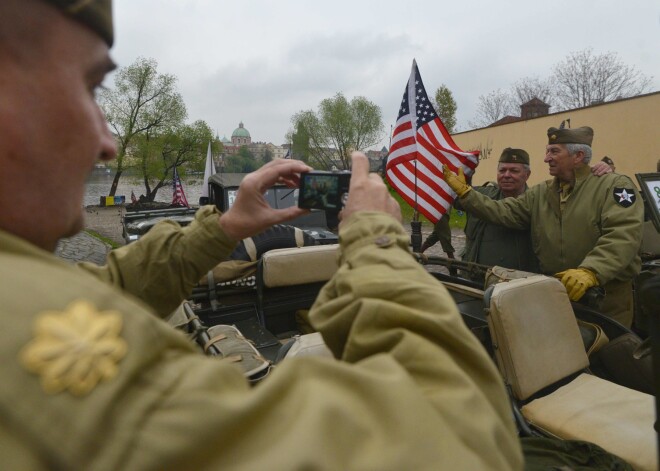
(289, 280)
(541, 356)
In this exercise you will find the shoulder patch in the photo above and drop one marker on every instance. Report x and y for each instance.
(624, 196)
(74, 349)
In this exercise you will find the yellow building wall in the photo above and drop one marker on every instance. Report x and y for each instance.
(627, 131)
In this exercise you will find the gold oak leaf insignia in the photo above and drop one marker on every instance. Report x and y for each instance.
(75, 349)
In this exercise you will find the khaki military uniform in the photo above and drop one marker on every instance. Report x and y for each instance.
(93, 380)
(492, 244)
(589, 227)
(441, 233)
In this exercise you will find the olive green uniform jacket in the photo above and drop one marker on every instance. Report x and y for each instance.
(492, 244)
(413, 388)
(593, 231)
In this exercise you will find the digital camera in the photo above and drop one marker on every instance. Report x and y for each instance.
(324, 190)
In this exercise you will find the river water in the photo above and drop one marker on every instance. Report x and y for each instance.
(99, 185)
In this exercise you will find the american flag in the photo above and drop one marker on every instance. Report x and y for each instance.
(178, 196)
(420, 146)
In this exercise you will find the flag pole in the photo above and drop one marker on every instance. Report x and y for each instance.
(415, 224)
(419, 146)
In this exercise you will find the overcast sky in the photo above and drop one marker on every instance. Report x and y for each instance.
(261, 61)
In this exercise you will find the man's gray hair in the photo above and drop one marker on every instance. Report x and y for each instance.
(575, 148)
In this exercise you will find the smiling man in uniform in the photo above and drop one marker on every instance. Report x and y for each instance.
(492, 244)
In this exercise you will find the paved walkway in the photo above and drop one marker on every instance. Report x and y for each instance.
(83, 248)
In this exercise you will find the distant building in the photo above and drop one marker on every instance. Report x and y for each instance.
(241, 137)
(377, 159)
(534, 108)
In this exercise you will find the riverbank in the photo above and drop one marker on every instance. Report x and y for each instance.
(103, 231)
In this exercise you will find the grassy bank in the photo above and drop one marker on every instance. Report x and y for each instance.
(103, 239)
(456, 219)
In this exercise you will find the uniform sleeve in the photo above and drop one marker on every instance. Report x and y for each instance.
(621, 229)
(381, 300)
(441, 233)
(162, 267)
(444, 233)
(514, 213)
(411, 388)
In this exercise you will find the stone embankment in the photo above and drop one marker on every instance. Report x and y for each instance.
(106, 221)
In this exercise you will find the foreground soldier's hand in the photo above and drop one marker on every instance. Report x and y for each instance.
(367, 192)
(456, 181)
(577, 281)
(251, 214)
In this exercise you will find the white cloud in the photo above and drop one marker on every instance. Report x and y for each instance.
(261, 61)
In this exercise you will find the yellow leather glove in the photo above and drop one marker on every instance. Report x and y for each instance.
(456, 182)
(577, 281)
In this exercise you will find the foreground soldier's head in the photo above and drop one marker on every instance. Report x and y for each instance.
(53, 56)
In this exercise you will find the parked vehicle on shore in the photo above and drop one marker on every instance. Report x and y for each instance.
(318, 227)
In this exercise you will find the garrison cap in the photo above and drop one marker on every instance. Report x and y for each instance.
(514, 156)
(96, 14)
(583, 135)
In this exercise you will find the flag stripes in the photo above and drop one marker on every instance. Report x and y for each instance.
(420, 147)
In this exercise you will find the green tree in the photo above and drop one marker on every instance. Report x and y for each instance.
(445, 106)
(158, 154)
(337, 128)
(241, 162)
(299, 141)
(143, 102)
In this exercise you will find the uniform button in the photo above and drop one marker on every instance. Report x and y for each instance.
(382, 241)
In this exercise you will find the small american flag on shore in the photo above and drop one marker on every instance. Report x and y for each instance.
(178, 196)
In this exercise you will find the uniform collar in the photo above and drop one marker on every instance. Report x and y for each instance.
(581, 173)
(18, 246)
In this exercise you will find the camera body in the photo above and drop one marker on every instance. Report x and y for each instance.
(324, 190)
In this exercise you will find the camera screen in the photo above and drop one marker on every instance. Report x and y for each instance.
(319, 191)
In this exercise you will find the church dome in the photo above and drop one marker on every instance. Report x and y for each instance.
(240, 131)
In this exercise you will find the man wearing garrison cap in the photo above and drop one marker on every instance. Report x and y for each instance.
(586, 230)
(93, 379)
(493, 244)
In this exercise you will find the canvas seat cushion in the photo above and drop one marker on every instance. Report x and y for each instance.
(589, 408)
(300, 265)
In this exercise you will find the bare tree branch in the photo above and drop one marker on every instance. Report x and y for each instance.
(585, 78)
(492, 107)
(531, 87)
